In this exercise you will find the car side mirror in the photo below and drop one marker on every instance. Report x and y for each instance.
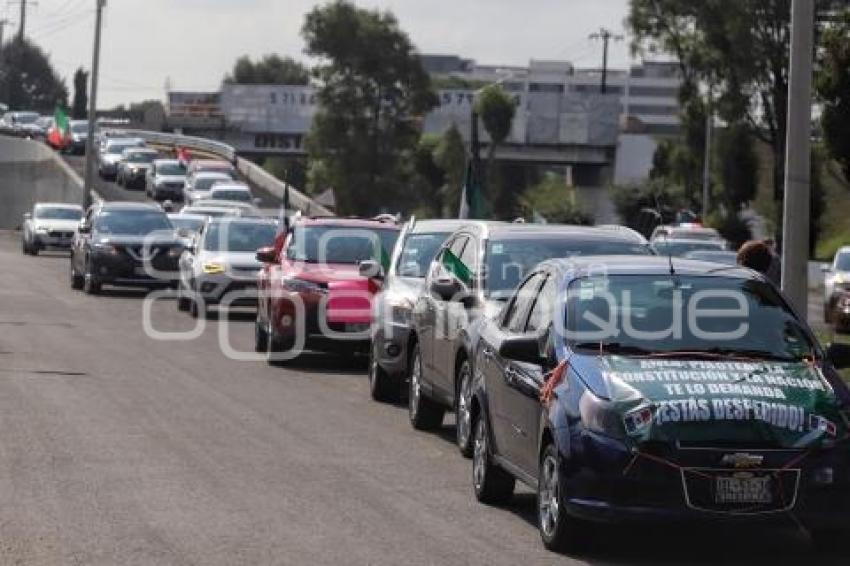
(266, 255)
(84, 228)
(28, 216)
(524, 348)
(445, 287)
(838, 355)
(371, 269)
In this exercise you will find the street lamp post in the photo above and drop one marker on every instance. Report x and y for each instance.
(95, 68)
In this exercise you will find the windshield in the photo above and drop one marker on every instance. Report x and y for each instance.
(80, 128)
(118, 149)
(418, 251)
(205, 183)
(679, 248)
(26, 118)
(340, 244)
(185, 223)
(58, 213)
(131, 223)
(238, 236)
(842, 262)
(509, 261)
(688, 314)
(141, 157)
(226, 194)
(170, 169)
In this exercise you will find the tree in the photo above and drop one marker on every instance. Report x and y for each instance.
(271, 69)
(28, 80)
(738, 165)
(738, 47)
(496, 109)
(450, 156)
(79, 106)
(372, 92)
(552, 200)
(833, 90)
(430, 177)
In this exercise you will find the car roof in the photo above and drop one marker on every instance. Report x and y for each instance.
(345, 222)
(58, 205)
(187, 215)
(437, 225)
(128, 205)
(678, 240)
(141, 150)
(166, 161)
(211, 174)
(243, 220)
(123, 141)
(644, 265)
(233, 185)
(519, 231)
(221, 203)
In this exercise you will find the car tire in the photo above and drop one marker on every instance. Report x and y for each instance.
(381, 387)
(463, 409)
(828, 541)
(424, 413)
(182, 302)
(197, 307)
(559, 531)
(91, 286)
(261, 337)
(492, 484)
(34, 249)
(77, 280)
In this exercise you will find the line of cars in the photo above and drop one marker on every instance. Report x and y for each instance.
(27, 124)
(569, 355)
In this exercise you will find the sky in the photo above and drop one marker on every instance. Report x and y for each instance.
(191, 44)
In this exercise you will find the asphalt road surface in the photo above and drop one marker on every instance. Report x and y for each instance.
(116, 448)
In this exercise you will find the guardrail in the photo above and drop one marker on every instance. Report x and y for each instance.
(251, 171)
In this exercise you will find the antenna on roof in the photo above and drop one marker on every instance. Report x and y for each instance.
(666, 236)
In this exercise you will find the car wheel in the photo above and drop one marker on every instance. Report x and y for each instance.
(275, 345)
(77, 280)
(381, 387)
(91, 286)
(197, 307)
(558, 530)
(491, 483)
(34, 249)
(463, 409)
(423, 412)
(25, 249)
(182, 302)
(261, 337)
(828, 541)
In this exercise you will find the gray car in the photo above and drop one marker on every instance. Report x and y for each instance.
(112, 153)
(50, 225)
(391, 308)
(165, 180)
(134, 165)
(222, 260)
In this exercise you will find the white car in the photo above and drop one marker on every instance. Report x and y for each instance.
(685, 232)
(165, 180)
(50, 225)
(198, 185)
(134, 165)
(113, 152)
(234, 191)
(836, 279)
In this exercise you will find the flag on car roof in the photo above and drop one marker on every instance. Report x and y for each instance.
(61, 128)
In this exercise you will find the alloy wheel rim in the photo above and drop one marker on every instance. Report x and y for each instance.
(479, 455)
(548, 497)
(464, 417)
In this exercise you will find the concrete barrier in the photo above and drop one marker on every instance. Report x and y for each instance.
(31, 172)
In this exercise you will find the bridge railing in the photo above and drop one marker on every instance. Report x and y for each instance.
(251, 171)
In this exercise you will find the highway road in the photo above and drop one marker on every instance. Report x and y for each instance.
(116, 448)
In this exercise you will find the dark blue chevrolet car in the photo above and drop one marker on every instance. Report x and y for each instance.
(657, 389)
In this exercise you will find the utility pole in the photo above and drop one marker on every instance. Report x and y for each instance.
(22, 25)
(95, 69)
(706, 163)
(605, 35)
(795, 247)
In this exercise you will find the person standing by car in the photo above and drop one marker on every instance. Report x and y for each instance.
(757, 255)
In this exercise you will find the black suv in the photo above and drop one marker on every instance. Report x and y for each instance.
(474, 271)
(125, 244)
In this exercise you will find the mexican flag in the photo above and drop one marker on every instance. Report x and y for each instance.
(471, 198)
(456, 267)
(60, 130)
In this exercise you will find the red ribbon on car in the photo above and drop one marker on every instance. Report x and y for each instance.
(553, 379)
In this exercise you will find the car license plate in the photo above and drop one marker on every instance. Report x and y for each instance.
(141, 271)
(743, 489)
